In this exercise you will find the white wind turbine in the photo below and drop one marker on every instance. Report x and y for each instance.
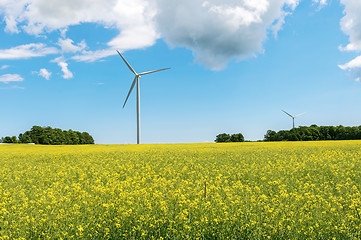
(293, 117)
(136, 81)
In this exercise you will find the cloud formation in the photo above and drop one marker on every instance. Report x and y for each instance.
(44, 73)
(320, 3)
(351, 26)
(133, 18)
(353, 64)
(67, 45)
(27, 51)
(4, 67)
(67, 74)
(92, 56)
(6, 78)
(215, 30)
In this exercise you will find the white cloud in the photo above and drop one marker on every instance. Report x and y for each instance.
(351, 26)
(277, 26)
(354, 64)
(11, 25)
(68, 46)
(27, 51)
(67, 74)
(4, 67)
(215, 30)
(320, 3)
(12, 11)
(44, 73)
(92, 56)
(133, 18)
(6, 78)
(218, 30)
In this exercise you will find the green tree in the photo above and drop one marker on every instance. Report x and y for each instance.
(73, 136)
(87, 138)
(37, 134)
(24, 138)
(223, 137)
(8, 139)
(14, 139)
(270, 136)
(238, 137)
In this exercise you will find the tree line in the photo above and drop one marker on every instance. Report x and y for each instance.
(50, 136)
(225, 137)
(315, 133)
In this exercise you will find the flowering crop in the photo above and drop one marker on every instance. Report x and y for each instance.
(283, 190)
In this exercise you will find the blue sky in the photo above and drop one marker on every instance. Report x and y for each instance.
(235, 65)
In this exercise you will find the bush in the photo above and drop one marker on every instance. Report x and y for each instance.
(238, 137)
(223, 137)
(8, 139)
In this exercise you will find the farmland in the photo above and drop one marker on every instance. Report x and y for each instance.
(278, 190)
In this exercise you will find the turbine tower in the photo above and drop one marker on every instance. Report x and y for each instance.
(136, 81)
(293, 117)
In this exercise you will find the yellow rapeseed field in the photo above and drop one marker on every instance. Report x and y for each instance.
(287, 190)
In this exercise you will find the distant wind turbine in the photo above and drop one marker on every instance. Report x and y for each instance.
(136, 81)
(293, 117)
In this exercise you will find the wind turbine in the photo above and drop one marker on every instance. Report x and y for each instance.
(293, 117)
(136, 81)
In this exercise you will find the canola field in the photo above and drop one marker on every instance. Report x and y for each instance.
(286, 190)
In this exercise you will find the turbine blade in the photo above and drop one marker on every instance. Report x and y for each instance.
(131, 88)
(287, 113)
(130, 67)
(299, 114)
(144, 73)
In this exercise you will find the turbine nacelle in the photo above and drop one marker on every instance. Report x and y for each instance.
(137, 76)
